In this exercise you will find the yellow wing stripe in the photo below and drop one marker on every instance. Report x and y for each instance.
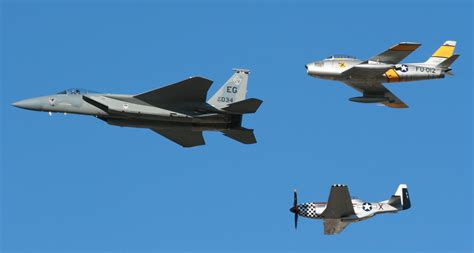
(404, 47)
(444, 51)
(392, 76)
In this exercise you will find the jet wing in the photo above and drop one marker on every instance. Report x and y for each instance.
(190, 91)
(380, 63)
(339, 204)
(334, 226)
(396, 53)
(376, 89)
(184, 137)
(367, 70)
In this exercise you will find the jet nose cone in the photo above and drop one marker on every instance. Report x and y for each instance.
(20, 104)
(293, 209)
(29, 104)
(306, 66)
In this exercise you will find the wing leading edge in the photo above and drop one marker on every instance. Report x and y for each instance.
(396, 53)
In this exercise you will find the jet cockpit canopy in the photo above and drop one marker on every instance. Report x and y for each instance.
(340, 56)
(76, 91)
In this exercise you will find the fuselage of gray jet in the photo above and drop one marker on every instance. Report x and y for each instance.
(127, 110)
(178, 111)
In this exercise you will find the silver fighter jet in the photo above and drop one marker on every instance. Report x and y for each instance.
(178, 111)
(368, 76)
(341, 210)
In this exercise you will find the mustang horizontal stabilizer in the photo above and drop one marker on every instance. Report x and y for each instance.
(250, 105)
(339, 203)
(190, 91)
(334, 226)
(243, 135)
(184, 137)
(396, 53)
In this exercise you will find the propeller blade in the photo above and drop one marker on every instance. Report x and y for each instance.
(295, 199)
(296, 220)
(295, 207)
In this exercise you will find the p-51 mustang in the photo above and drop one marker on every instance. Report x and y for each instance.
(178, 111)
(368, 76)
(341, 210)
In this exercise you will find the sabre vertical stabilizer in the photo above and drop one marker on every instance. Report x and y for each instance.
(442, 54)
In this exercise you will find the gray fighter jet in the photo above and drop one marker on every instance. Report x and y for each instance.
(178, 111)
(368, 76)
(341, 210)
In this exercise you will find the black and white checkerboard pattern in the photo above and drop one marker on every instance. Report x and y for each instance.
(308, 210)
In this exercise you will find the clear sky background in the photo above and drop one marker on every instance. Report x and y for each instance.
(74, 183)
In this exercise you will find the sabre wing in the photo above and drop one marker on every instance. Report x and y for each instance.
(382, 62)
(376, 89)
(396, 53)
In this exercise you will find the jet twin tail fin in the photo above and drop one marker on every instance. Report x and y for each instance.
(233, 91)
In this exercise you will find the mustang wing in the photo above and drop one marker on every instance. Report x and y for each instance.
(334, 226)
(184, 137)
(339, 204)
(396, 53)
(376, 89)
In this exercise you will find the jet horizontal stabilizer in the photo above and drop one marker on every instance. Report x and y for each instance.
(250, 105)
(242, 135)
(184, 137)
(448, 62)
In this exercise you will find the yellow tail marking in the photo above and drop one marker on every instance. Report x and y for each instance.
(392, 76)
(444, 51)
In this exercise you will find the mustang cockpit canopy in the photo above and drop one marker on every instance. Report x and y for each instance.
(76, 91)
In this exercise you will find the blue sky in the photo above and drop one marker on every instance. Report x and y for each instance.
(74, 183)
